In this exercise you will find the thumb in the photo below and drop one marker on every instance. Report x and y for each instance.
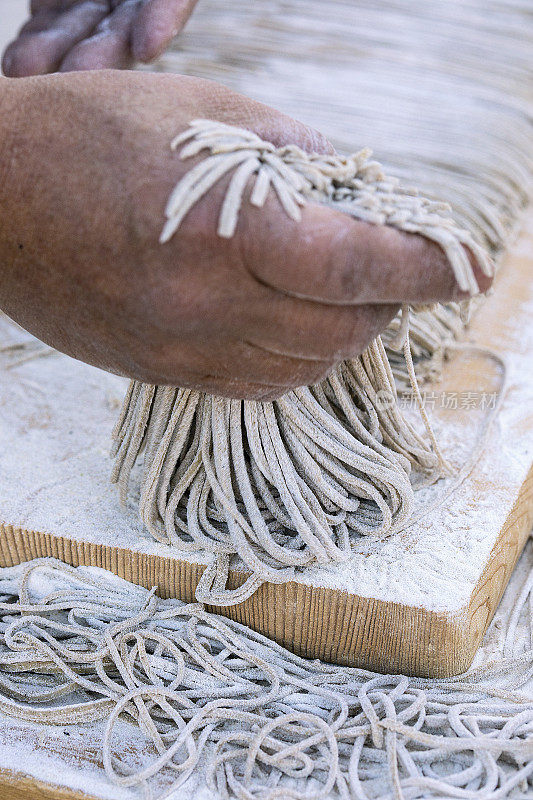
(156, 24)
(330, 257)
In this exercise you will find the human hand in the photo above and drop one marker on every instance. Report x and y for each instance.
(66, 35)
(88, 171)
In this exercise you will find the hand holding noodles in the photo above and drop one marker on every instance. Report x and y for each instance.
(288, 483)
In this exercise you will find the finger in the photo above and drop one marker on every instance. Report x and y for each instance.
(237, 364)
(248, 362)
(237, 390)
(44, 40)
(332, 258)
(233, 388)
(274, 372)
(41, 21)
(109, 45)
(314, 331)
(280, 323)
(18, 60)
(157, 22)
(203, 381)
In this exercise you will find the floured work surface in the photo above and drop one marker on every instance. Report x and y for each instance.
(417, 602)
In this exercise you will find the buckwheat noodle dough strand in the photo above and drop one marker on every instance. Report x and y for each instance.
(289, 483)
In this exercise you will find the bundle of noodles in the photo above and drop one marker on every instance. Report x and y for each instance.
(289, 483)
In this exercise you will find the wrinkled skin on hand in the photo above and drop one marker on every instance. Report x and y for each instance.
(89, 171)
(66, 35)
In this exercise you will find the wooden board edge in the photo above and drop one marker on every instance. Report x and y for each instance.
(18, 786)
(458, 635)
(502, 561)
(337, 627)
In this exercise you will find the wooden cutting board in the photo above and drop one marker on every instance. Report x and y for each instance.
(417, 603)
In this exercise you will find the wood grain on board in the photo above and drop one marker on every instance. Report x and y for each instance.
(15, 786)
(319, 622)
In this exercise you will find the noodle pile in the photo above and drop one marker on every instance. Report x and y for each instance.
(79, 645)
